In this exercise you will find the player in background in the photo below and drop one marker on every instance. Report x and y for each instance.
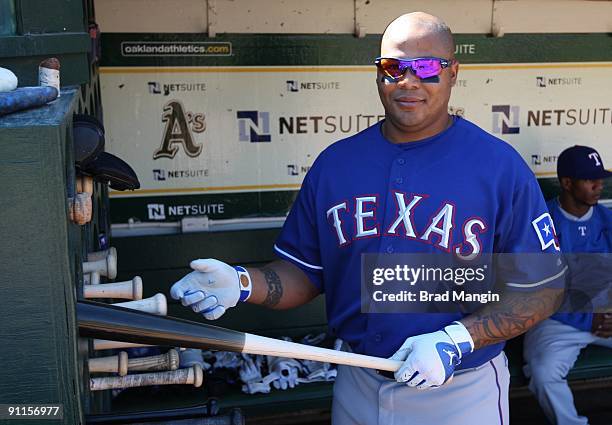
(583, 226)
(421, 181)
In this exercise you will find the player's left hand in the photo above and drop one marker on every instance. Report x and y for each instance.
(212, 288)
(430, 359)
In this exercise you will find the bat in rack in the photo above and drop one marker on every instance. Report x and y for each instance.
(121, 364)
(192, 375)
(157, 304)
(99, 320)
(99, 255)
(130, 289)
(96, 260)
(104, 267)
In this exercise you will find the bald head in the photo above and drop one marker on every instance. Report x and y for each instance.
(417, 34)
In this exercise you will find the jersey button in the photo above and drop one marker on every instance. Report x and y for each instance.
(401, 161)
(378, 337)
(390, 249)
(399, 180)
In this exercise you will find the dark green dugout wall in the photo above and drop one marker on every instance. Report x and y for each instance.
(46, 28)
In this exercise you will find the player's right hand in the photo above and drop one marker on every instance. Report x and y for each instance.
(602, 325)
(212, 288)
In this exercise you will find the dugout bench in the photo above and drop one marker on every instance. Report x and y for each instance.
(161, 260)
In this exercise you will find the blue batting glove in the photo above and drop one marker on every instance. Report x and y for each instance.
(430, 359)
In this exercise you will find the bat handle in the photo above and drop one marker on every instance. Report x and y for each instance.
(168, 361)
(115, 364)
(192, 375)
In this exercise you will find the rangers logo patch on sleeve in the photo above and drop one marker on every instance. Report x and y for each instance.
(545, 229)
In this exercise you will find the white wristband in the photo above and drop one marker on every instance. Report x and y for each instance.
(460, 337)
(246, 285)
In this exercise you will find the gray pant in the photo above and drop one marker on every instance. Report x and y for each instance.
(474, 396)
(551, 349)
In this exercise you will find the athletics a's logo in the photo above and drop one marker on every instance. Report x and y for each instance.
(505, 119)
(253, 126)
(179, 126)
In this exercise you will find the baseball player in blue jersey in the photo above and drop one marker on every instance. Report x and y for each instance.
(421, 181)
(552, 347)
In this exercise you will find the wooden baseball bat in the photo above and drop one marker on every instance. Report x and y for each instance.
(80, 208)
(122, 365)
(84, 184)
(103, 321)
(106, 344)
(130, 289)
(156, 304)
(91, 278)
(104, 266)
(116, 364)
(192, 375)
(99, 255)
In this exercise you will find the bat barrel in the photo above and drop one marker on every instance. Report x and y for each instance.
(105, 344)
(97, 320)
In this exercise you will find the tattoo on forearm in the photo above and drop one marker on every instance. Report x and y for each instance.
(515, 315)
(275, 287)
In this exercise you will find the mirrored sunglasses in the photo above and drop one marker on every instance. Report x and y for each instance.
(395, 68)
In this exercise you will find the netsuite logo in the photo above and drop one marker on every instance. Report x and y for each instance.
(155, 87)
(159, 175)
(296, 170)
(159, 212)
(558, 81)
(505, 119)
(163, 175)
(156, 211)
(292, 86)
(537, 159)
(296, 86)
(253, 126)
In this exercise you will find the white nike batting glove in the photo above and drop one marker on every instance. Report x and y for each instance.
(430, 359)
(212, 287)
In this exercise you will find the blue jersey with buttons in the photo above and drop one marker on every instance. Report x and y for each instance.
(589, 234)
(461, 191)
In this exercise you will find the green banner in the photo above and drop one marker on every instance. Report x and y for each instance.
(288, 50)
(228, 126)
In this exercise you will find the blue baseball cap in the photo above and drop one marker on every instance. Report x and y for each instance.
(581, 162)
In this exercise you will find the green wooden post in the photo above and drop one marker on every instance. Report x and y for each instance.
(38, 259)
